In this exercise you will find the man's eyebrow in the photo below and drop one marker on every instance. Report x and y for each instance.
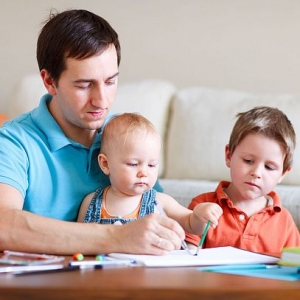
(93, 80)
(113, 76)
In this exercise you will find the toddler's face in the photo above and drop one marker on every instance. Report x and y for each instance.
(133, 164)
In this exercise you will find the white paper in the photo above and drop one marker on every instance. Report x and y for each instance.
(205, 257)
(16, 269)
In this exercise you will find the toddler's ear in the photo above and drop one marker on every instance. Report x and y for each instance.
(103, 163)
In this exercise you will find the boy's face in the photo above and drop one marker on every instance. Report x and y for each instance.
(133, 164)
(256, 166)
(85, 92)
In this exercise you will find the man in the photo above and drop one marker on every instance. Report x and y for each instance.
(48, 157)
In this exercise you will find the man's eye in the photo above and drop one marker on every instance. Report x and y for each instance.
(111, 82)
(83, 87)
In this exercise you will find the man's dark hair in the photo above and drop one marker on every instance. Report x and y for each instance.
(75, 34)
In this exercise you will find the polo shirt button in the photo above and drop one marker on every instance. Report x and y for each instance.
(241, 217)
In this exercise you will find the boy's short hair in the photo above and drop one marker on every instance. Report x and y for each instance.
(270, 122)
(123, 125)
(75, 34)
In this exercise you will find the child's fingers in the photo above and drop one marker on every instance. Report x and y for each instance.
(215, 215)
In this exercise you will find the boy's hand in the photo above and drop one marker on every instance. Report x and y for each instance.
(205, 212)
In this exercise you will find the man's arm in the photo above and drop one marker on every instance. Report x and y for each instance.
(24, 231)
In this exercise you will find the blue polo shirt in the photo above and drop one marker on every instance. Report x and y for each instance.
(52, 172)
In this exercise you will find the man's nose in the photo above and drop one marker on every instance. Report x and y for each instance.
(99, 97)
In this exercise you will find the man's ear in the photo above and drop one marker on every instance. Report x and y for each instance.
(48, 82)
(227, 156)
(103, 163)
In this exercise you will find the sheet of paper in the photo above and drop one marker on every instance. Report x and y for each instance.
(205, 257)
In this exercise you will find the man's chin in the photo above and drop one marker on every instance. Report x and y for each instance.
(95, 125)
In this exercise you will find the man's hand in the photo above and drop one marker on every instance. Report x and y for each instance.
(153, 234)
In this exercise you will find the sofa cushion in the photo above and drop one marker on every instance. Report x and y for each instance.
(151, 98)
(200, 125)
(26, 95)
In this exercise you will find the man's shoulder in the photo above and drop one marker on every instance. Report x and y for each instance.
(17, 124)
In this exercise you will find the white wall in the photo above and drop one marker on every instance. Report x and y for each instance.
(251, 45)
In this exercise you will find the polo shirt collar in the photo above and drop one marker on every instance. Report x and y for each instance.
(47, 124)
(274, 202)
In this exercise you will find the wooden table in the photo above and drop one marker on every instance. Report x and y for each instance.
(144, 283)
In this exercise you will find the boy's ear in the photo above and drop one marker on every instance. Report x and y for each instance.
(283, 174)
(103, 163)
(227, 156)
(48, 82)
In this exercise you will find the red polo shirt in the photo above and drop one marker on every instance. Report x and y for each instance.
(267, 231)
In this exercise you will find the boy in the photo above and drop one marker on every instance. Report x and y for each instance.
(259, 155)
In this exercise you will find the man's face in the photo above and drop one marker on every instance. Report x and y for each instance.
(85, 92)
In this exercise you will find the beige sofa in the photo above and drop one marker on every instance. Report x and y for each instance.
(195, 124)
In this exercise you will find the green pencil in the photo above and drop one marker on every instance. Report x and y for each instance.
(203, 236)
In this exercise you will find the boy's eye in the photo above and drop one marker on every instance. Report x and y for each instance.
(248, 161)
(271, 168)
